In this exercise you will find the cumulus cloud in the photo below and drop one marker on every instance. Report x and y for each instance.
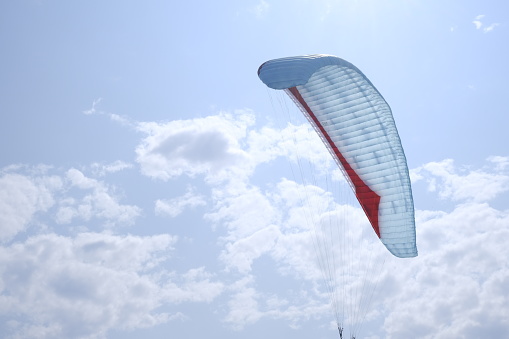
(195, 285)
(55, 286)
(21, 197)
(243, 252)
(244, 304)
(237, 208)
(224, 146)
(295, 142)
(271, 223)
(454, 288)
(99, 273)
(66, 197)
(457, 183)
(208, 146)
(277, 223)
(99, 203)
(299, 228)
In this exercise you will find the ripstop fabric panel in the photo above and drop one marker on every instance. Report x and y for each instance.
(357, 126)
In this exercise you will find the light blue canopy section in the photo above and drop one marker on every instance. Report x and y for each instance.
(294, 71)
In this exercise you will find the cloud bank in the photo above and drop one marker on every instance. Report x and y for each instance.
(69, 268)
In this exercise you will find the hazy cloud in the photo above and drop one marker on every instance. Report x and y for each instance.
(491, 27)
(247, 305)
(477, 21)
(261, 8)
(174, 207)
(104, 169)
(114, 117)
(93, 109)
(480, 25)
(98, 202)
(22, 196)
(501, 163)
(195, 285)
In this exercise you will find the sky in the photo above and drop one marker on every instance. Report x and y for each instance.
(146, 185)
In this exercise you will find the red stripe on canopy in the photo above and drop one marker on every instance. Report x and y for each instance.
(368, 199)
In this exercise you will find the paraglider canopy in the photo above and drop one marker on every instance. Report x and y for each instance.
(356, 125)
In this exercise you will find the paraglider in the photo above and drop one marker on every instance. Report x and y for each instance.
(356, 125)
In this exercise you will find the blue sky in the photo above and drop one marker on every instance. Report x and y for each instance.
(146, 186)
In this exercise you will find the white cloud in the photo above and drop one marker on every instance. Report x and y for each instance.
(456, 287)
(273, 223)
(276, 223)
(176, 206)
(247, 305)
(82, 286)
(208, 146)
(279, 222)
(280, 225)
(21, 197)
(78, 179)
(459, 276)
(26, 191)
(459, 184)
(224, 147)
(501, 163)
(243, 252)
(479, 24)
(244, 304)
(238, 209)
(103, 169)
(194, 285)
(59, 287)
(100, 203)
(491, 27)
(295, 142)
(477, 21)
(114, 117)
